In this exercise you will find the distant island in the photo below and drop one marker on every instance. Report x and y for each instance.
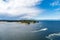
(22, 21)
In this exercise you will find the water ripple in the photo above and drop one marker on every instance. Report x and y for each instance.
(54, 36)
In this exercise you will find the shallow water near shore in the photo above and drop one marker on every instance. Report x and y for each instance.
(44, 30)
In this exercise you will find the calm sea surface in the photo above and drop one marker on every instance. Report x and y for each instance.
(44, 30)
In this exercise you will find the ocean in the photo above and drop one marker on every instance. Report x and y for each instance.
(44, 30)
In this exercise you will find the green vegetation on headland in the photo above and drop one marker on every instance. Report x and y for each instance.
(22, 21)
(29, 21)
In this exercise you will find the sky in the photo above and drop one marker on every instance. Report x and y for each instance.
(30, 9)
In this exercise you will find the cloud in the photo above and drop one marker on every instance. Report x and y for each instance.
(55, 3)
(20, 7)
(53, 36)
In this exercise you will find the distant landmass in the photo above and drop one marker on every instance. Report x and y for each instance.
(22, 21)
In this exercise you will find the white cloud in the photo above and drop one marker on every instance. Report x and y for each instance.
(57, 9)
(55, 3)
(19, 7)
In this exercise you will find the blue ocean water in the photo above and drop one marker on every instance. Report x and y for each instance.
(44, 30)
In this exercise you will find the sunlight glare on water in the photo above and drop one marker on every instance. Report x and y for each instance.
(18, 31)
